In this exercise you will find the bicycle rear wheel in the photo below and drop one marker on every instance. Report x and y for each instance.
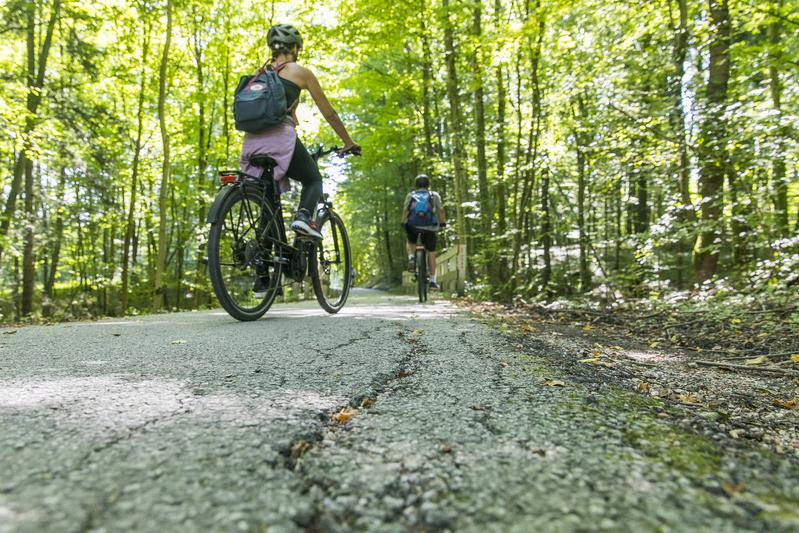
(331, 265)
(241, 262)
(421, 274)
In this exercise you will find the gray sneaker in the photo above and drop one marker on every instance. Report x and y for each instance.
(304, 225)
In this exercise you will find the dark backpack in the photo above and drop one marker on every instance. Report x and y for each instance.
(420, 210)
(259, 102)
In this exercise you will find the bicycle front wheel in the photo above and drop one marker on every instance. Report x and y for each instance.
(331, 265)
(421, 274)
(242, 265)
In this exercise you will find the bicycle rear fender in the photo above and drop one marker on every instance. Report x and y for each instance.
(223, 193)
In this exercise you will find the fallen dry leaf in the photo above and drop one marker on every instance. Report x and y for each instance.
(732, 489)
(795, 358)
(554, 383)
(345, 415)
(527, 328)
(736, 433)
(503, 364)
(180, 341)
(587, 327)
(449, 448)
(757, 360)
(786, 404)
(539, 451)
(367, 403)
(688, 399)
(590, 360)
(116, 334)
(643, 387)
(13, 331)
(478, 407)
(299, 448)
(653, 344)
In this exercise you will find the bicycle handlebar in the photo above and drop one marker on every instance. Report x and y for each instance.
(321, 152)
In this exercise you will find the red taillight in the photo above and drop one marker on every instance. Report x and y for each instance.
(227, 179)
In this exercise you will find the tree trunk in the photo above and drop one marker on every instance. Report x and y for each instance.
(35, 81)
(131, 222)
(456, 131)
(500, 272)
(517, 209)
(778, 176)
(712, 146)
(427, 80)
(738, 220)
(387, 234)
(546, 231)
(28, 268)
(55, 247)
(618, 199)
(480, 128)
(581, 145)
(202, 164)
(161, 246)
(679, 53)
(642, 206)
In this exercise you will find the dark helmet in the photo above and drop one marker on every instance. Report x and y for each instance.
(283, 36)
(422, 181)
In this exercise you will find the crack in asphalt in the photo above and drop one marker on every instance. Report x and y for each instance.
(327, 353)
(382, 385)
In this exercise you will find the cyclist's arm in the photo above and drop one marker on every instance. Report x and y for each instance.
(318, 95)
(404, 215)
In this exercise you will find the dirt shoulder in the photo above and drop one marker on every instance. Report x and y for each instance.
(734, 382)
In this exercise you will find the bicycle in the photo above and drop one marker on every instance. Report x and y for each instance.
(249, 254)
(421, 276)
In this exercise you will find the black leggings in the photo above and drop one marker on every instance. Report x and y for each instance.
(303, 169)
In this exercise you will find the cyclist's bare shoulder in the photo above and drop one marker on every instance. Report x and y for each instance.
(301, 76)
(290, 72)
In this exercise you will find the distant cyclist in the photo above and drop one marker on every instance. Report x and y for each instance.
(281, 142)
(423, 214)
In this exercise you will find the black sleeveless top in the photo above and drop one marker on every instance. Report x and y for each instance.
(292, 92)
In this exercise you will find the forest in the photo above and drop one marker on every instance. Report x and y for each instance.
(583, 148)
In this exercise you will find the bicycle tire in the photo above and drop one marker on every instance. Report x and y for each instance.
(332, 282)
(237, 258)
(421, 274)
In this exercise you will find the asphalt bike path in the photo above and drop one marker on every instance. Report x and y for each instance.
(390, 416)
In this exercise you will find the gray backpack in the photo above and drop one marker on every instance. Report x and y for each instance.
(259, 102)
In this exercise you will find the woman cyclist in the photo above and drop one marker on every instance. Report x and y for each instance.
(281, 142)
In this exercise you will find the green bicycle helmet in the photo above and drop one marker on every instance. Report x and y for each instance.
(283, 36)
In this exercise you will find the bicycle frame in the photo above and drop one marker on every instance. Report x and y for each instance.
(270, 195)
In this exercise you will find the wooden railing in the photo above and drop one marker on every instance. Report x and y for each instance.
(450, 271)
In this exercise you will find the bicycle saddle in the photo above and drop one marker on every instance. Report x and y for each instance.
(263, 161)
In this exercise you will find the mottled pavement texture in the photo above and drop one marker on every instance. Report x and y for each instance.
(196, 422)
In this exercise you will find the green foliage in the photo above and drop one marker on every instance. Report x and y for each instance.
(592, 95)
